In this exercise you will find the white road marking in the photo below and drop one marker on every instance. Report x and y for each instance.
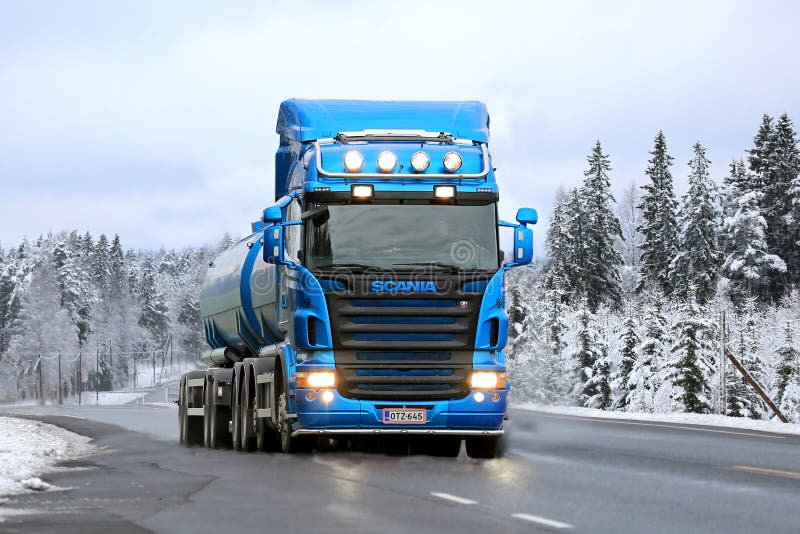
(72, 416)
(543, 521)
(637, 423)
(453, 498)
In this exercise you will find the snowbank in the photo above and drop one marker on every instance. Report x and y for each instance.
(680, 418)
(30, 448)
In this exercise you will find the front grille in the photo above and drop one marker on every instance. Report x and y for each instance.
(408, 347)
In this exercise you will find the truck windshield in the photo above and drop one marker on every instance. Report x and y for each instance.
(399, 236)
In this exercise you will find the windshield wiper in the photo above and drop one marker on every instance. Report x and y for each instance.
(447, 267)
(353, 267)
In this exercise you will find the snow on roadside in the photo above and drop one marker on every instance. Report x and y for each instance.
(30, 448)
(680, 418)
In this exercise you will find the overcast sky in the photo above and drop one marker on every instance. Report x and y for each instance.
(156, 119)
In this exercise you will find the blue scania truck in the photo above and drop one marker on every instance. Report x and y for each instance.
(369, 299)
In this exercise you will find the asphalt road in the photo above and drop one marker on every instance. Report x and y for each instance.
(561, 473)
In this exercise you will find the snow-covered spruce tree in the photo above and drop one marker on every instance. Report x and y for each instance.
(743, 401)
(692, 356)
(154, 315)
(577, 224)
(74, 281)
(761, 152)
(585, 354)
(781, 167)
(602, 281)
(600, 381)
(629, 245)
(628, 355)
(557, 244)
(748, 265)
(698, 259)
(789, 365)
(659, 224)
(644, 378)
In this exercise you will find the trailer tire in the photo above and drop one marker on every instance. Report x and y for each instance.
(485, 447)
(181, 413)
(236, 408)
(247, 440)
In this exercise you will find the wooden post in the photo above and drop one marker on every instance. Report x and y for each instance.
(755, 385)
(80, 375)
(97, 375)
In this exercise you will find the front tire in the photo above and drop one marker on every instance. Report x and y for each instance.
(484, 447)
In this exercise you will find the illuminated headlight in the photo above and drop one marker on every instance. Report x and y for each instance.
(316, 379)
(362, 192)
(420, 161)
(387, 161)
(487, 380)
(353, 161)
(452, 161)
(444, 192)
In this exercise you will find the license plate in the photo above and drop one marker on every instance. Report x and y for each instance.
(405, 416)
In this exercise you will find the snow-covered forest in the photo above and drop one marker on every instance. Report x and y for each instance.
(626, 311)
(96, 304)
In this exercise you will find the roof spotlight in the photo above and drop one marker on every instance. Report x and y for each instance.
(452, 161)
(387, 161)
(420, 161)
(353, 161)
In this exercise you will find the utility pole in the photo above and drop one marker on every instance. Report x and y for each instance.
(723, 371)
(60, 388)
(111, 364)
(135, 373)
(80, 375)
(97, 375)
(41, 386)
(154, 367)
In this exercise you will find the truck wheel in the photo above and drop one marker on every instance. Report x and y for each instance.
(289, 444)
(445, 446)
(219, 435)
(191, 426)
(483, 446)
(246, 413)
(236, 415)
(181, 412)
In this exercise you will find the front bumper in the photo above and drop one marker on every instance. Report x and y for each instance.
(342, 415)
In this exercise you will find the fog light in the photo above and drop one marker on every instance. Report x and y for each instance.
(362, 192)
(353, 161)
(387, 161)
(420, 161)
(478, 396)
(452, 161)
(444, 192)
(327, 396)
(496, 396)
(310, 396)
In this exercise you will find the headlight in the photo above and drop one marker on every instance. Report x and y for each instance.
(387, 161)
(316, 379)
(487, 380)
(420, 161)
(353, 161)
(452, 161)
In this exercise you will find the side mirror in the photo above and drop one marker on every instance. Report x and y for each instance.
(523, 246)
(273, 244)
(273, 215)
(527, 216)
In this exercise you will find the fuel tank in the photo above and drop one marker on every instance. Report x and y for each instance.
(238, 301)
